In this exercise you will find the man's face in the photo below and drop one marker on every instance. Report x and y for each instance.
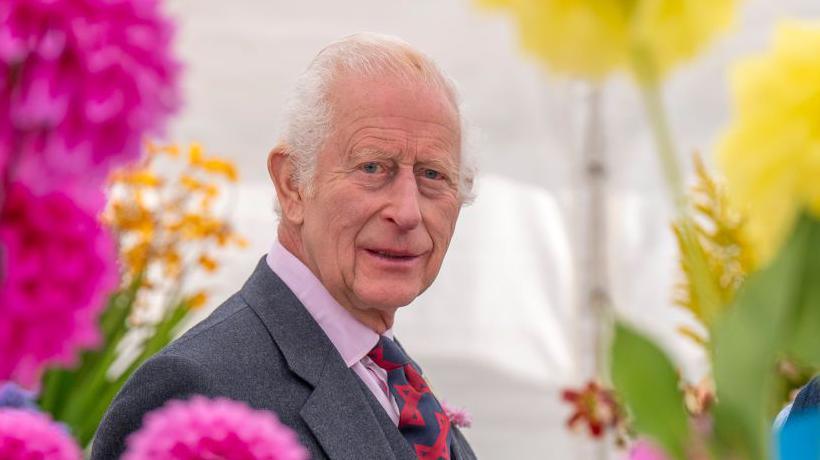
(385, 199)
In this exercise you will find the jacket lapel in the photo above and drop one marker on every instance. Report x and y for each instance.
(337, 411)
(341, 419)
(401, 448)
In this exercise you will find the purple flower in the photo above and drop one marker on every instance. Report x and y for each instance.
(458, 416)
(16, 397)
(59, 268)
(212, 428)
(27, 435)
(81, 83)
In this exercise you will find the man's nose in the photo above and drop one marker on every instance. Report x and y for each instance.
(404, 208)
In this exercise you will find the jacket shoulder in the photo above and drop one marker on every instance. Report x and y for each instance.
(158, 380)
(203, 361)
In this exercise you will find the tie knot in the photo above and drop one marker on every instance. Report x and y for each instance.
(388, 355)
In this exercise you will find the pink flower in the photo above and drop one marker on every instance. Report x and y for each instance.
(26, 434)
(59, 266)
(646, 450)
(218, 428)
(458, 416)
(91, 79)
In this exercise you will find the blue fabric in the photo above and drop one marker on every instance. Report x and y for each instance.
(799, 439)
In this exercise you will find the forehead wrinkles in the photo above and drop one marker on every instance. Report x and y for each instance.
(400, 137)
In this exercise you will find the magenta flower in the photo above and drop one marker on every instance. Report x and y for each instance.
(458, 416)
(26, 434)
(59, 268)
(212, 428)
(646, 450)
(90, 79)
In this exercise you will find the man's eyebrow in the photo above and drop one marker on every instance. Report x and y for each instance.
(438, 163)
(370, 153)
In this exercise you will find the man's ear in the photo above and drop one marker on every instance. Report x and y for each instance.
(282, 173)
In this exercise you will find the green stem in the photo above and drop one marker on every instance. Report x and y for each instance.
(50, 396)
(665, 145)
(649, 81)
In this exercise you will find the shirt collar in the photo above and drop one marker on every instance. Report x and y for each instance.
(352, 339)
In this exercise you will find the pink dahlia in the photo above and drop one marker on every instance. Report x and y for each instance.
(26, 434)
(81, 83)
(59, 266)
(212, 428)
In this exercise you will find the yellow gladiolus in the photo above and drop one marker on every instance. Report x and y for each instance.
(593, 38)
(770, 153)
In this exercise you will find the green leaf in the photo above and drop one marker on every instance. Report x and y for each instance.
(776, 313)
(648, 383)
(803, 335)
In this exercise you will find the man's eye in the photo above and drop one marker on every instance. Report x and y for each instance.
(431, 174)
(371, 167)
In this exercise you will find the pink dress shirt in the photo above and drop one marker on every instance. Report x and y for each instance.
(351, 338)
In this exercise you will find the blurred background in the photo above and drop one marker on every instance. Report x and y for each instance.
(507, 325)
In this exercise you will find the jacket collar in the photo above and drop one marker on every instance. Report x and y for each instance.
(337, 411)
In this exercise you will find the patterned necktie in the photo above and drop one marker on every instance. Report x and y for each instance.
(422, 421)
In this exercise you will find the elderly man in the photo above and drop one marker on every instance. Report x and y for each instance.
(370, 179)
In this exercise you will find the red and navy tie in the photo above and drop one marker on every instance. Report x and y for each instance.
(422, 421)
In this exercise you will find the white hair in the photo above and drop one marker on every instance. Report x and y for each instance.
(308, 115)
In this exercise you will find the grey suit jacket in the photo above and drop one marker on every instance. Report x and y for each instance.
(262, 347)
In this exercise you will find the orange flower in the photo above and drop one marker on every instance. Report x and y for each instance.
(161, 219)
(211, 164)
(197, 300)
(208, 263)
(171, 150)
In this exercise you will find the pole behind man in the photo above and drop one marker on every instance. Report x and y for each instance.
(370, 180)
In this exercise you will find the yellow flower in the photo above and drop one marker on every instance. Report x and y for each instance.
(592, 38)
(770, 154)
(190, 183)
(159, 221)
(170, 150)
(208, 263)
(130, 217)
(194, 153)
(197, 300)
(211, 164)
(137, 177)
(136, 257)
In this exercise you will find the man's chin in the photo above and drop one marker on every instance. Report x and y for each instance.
(387, 300)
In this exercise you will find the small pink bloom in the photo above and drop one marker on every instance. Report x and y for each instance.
(213, 428)
(26, 434)
(458, 416)
(58, 268)
(646, 450)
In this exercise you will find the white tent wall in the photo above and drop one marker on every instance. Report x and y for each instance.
(503, 329)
